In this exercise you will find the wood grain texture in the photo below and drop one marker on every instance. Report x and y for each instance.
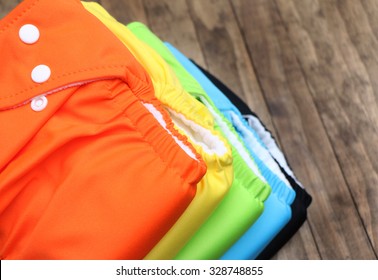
(308, 68)
(345, 55)
(225, 53)
(126, 10)
(171, 21)
(294, 105)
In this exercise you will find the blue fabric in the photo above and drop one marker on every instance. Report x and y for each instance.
(277, 211)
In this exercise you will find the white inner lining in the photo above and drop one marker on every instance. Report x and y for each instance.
(259, 150)
(270, 143)
(159, 117)
(201, 136)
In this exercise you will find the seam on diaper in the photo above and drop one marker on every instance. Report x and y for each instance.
(59, 77)
(76, 72)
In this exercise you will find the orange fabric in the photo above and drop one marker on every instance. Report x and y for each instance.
(93, 175)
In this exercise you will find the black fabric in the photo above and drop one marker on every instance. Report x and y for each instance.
(302, 199)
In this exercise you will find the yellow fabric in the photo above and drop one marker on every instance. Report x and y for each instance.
(192, 119)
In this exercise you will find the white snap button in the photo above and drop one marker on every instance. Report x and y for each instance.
(39, 103)
(41, 73)
(29, 34)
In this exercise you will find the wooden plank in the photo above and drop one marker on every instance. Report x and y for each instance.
(333, 218)
(371, 10)
(225, 52)
(125, 11)
(170, 20)
(345, 54)
(364, 87)
(227, 58)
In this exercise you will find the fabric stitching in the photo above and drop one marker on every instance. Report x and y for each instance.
(73, 73)
(62, 76)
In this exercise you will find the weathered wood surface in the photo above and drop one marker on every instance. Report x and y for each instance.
(309, 69)
(312, 115)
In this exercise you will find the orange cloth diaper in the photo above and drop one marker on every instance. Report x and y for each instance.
(91, 166)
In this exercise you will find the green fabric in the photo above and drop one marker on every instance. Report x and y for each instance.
(243, 204)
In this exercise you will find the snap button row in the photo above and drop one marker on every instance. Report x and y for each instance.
(29, 34)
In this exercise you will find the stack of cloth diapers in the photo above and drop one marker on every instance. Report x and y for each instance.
(117, 146)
